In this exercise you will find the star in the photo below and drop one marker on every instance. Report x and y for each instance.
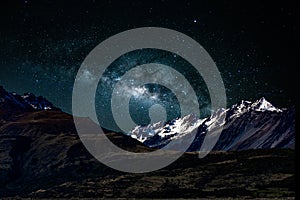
(45, 56)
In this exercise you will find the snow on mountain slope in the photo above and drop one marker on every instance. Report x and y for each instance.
(11, 101)
(247, 125)
(169, 130)
(246, 106)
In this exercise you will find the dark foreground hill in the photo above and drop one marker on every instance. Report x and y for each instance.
(41, 156)
(248, 174)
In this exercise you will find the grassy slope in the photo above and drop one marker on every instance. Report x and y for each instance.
(253, 173)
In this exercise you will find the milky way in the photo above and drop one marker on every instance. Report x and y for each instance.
(143, 97)
(43, 46)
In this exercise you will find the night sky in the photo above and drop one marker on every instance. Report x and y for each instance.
(43, 44)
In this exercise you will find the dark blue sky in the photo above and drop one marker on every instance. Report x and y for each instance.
(43, 43)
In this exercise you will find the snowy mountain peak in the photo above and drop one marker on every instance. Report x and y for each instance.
(245, 125)
(37, 103)
(260, 105)
(27, 102)
(168, 129)
(263, 105)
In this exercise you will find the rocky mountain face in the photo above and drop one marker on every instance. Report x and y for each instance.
(247, 125)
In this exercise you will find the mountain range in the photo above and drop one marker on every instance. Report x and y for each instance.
(247, 125)
(41, 155)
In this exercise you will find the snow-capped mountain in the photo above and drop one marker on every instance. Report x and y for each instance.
(247, 125)
(168, 130)
(10, 101)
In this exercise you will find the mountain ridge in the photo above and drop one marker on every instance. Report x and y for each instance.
(13, 102)
(247, 124)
